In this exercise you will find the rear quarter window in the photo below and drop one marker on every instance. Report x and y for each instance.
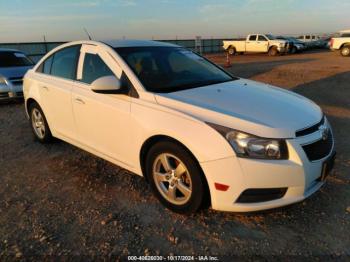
(45, 67)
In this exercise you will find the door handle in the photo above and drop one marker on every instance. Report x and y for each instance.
(79, 101)
(45, 87)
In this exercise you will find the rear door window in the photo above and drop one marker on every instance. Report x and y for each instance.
(64, 62)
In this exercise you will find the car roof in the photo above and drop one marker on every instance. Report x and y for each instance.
(137, 43)
(9, 50)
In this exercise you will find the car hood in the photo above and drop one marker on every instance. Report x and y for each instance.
(248, 106)
(16, 71)
(279, 41)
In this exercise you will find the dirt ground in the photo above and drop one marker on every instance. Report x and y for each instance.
(57, 200)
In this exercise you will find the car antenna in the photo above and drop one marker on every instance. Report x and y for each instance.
(90, 38)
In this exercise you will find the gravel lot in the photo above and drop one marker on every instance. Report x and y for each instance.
(59, 200)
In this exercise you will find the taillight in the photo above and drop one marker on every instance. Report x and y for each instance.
(331, 42)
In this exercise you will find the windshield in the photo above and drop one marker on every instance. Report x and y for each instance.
(271, 37)
(12, 58)
(170, 69)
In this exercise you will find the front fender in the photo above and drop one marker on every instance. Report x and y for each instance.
(150, 119)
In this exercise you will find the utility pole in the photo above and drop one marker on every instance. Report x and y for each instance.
(45, 44)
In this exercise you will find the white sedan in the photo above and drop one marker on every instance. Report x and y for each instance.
(196, 133)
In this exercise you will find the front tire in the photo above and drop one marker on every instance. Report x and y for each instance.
(345, 50)
(39, 124)
(273, 51)
(175, 177)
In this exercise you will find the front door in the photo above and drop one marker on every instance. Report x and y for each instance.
(102, 120)
(262, 44)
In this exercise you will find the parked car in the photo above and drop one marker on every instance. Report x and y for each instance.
(13, 65)
(194, 131)
(294, 44)
(311, 41)
(344, 33)
(257, 43)
(342, 43)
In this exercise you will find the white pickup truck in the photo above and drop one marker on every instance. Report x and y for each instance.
(257, 43)
(341, 43)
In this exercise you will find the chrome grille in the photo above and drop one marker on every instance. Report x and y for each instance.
(309, 130)
(4, 94)
(319, 149)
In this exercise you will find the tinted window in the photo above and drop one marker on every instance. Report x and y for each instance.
(11, 59)
(252, 38)
(261, 38)
(307, 37)
(345, 35)
(65, 62)
(170, 69)
(45, 67)
(94, 68)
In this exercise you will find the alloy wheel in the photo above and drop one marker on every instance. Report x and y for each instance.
(172, 179)
(38, 123)
(345, 51)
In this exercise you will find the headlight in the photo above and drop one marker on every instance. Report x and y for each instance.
(250, 146)
(3, 80)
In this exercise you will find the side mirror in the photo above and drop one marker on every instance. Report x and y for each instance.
(107, 85)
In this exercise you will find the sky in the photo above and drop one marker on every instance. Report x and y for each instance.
(64, 20)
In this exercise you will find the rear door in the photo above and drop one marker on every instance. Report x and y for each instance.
(57, 75)
(102, 120)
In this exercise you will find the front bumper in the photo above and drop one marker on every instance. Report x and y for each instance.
(283, 49)
(299, 175)
(10, 92)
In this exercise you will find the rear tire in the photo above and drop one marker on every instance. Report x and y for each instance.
(345, 50)
(273, 51)
(39, 124)
(175, 177)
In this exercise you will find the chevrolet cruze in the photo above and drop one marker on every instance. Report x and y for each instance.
(196, 133)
